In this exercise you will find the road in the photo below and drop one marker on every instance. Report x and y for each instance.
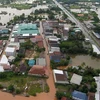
(50, 80)
(8, 41)
(85, 31)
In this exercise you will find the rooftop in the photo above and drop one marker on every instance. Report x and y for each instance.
(41, 61)
(40, 44)
(76, 79)
(26, 29)
(95, 49)
(60, 76)
(10, 49)
(37, 70)
(79, 95)
(4, 60)
(31, 62)
(55, 58)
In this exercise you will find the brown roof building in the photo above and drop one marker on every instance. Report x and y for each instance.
(37, 70)
(40, 44)
(60, 76)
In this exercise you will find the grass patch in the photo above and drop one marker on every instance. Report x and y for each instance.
(21, 6)
(36, 88)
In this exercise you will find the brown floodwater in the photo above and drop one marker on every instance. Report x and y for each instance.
(87, 59)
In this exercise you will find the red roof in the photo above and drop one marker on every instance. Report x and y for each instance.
(38, 70)
(40, 44)
(38, 37)
(6, 67)
(63, 98)
(1, 42)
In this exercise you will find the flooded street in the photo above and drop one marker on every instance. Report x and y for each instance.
(89, 61)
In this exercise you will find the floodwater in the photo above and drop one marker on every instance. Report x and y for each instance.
(40, 96)
(11, 12)
(88, 60)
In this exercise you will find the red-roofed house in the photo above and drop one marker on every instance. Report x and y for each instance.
(36, 38)
(40, 44)
(37, 70)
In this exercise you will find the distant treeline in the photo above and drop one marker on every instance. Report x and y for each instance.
(73, 1)
(6, 1)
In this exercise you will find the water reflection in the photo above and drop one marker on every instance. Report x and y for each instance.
(87, 59)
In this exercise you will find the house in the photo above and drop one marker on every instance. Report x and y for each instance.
(1, 43)
(55, 58)
(37, 70)
(95, 49)
(3, 30)
(10, 51)
(31, 62)
(16, 45)
(97, 94)
(22, 68)
(77, 95)
(60, 76)
(37, 38)
(40, 44)
(41, 61)
(57, 49)
(48, 29)
(65, 98)
(11, 58)
(76, 79)
(4, 62)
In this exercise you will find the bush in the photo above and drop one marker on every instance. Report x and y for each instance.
(11, 88)
(1, 87)
(18, 91)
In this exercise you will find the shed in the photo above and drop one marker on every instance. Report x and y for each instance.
(76, 79)
(41, 61)
(77, 95)
(31, 62)
(55, 58)
(10, 51)
(11, 58)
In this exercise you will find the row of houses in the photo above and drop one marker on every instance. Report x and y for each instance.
(52, 40)
(19, 34)
(61, 77)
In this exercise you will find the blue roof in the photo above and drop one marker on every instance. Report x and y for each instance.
(55, 58)
(31, 62)
(80, 95)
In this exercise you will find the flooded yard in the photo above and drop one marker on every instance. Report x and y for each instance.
(87, 59)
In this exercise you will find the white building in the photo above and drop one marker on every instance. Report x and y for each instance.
(95, 49)
(60, 76)
(10, 51)
(4, 63)
(76, 79)
(97, 94)
(16, 45)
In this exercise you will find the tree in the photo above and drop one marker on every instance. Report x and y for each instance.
(11, 88)
(59, 95)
